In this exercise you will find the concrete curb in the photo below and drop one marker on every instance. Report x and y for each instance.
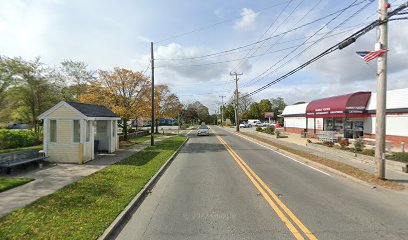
(126, 214)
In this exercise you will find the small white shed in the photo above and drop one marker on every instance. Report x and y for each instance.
(74, 131)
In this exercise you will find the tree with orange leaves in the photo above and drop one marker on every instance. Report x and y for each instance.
(124, 91)
(166, 104)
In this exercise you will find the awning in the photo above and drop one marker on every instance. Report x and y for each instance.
(349, 105)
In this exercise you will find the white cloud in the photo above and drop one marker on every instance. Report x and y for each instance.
(193, 70)
(247, 21)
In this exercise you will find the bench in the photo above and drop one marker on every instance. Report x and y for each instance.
(12, 159)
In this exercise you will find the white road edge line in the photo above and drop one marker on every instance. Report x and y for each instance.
(304, 164)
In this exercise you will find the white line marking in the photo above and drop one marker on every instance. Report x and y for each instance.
(283, 155)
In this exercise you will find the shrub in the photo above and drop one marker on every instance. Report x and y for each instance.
(401, 157)
(131, 130)
(344, 143)
(359, 145)
(328, 143)
(270, 130)
(369, 152)
(17, 138)
(258, 129)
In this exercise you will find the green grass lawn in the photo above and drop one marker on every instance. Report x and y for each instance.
(8, 183)
(83, 210)
(38, 147)
(138, 140)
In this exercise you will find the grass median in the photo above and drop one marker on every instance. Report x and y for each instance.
(342, 167)
(83, 210)
(141, 139)
(9, 183)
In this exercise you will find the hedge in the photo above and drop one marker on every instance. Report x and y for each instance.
(17, 138)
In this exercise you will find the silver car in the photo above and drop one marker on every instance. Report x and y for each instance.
(203, 130)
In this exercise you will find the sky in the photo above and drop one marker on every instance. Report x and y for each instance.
(194, 42)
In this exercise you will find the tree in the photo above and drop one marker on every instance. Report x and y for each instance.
(33, 93)
(278, 104)
(73, 76)
(124, 91)
(254, 111)
(265, 106)
(167, 104)
(8, 69)
(230, 113)
(197, 111)
(243, 102)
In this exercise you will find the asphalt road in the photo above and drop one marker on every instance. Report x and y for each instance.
(227, 187)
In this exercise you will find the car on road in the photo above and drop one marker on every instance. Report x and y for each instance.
(265, 124)
(243, 125)
(203, 130)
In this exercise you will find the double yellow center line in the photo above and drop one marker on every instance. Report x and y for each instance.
(277, 205)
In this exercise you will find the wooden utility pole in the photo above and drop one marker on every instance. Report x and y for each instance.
(381, 91)
(222, 110)
(236, 99)
(152, 66)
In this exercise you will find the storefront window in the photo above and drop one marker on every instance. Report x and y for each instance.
(338, 125)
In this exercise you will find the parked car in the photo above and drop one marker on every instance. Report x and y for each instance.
(244, 125)
(21, 126)
(265, 124)
(254, 123)
(203, 130)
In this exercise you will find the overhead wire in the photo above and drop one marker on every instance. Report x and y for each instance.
(265, 73)
(266, 31)
(262, 54)
(294, 25)
(254, 43)
(349, 40)
(217, 23)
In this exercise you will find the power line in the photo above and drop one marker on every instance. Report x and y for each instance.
(262, 75)
(217, 23)
(303, 17)
(346, 42)
(267, 30)
(260, 41)
(259, 55)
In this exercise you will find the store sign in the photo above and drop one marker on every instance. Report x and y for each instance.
(269, 114)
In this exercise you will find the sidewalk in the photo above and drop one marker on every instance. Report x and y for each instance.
(361, 162)
(55, 176)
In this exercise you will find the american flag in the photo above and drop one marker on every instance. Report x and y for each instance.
(368, 56)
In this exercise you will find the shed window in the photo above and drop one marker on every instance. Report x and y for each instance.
(53, 131)
(77, 131)
(88, 130)
(113, 128)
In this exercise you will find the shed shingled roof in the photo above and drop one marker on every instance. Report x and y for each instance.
(91, 110)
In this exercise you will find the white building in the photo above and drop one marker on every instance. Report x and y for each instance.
(352, 115)
(74, 131)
